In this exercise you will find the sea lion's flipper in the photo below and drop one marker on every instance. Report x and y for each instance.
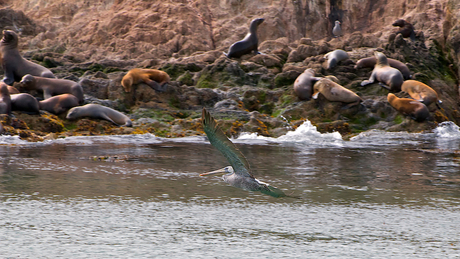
(370, 80)
(8, 77)
(412, 36)
(384, 86)
(105, 117)
(155, 86)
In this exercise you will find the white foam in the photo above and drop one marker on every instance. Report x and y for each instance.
(305, 133)
(447, 129)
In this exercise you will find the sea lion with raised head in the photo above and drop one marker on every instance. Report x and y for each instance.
(421, 92)
(5, 99)
(385, 74)
(371, 61)
(99, 112)
(334, 57)
(335, 93)
(415, 109)
(407, 30)
(52, 86)
(337, 30)
(158, 80)
(25, 103)
(303, 85)
(59, 103)
(14, 65)
(249, 44)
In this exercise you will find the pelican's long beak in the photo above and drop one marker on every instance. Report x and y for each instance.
(219, 171)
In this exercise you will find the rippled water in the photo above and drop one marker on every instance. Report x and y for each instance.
(379, 195)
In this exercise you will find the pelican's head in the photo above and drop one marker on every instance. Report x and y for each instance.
(225, 170)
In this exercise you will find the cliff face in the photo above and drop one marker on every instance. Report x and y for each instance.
(158, 29)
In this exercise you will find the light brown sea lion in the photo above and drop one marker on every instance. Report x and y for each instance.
(335, 93)
(421, 92)
(303, 85)
(52, 86)
(371, 61)
(385, 74)
(5, 99)
(415, 109)
(154, 78)
(14, 65)
(407, 30)
(99, 112)
(334, 57)
(247, 45)
(25, 103)
(59, 103)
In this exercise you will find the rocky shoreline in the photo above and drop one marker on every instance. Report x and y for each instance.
(251, 94)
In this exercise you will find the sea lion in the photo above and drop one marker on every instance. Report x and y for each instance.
(335, 57)
(99, 112)
(385, 74)
(421, 92)
(52, 86)
(5, 99)
(337, 30)
(12, 89)
(25, 103)
(59, 103)
(371, 61)
(303, 85)
(148, 76)
(415, 109)
(14, 65)
(335, 93)
(248, 44)
(407, 30)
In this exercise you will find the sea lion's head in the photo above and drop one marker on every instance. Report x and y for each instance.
(127, 82)
(381, 58)
(391, 97)
(72, 113)
(27, 81)
(399, 23)
(255, 23)
(10, 38)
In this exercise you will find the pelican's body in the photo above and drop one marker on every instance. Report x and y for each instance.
(238, 174)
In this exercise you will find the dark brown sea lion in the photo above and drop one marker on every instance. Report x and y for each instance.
(335, 93)
(5, 99)
(99, 112)
(14, 65)
(335, 57)
(52, 86)
(415, 109)
(421, 92)
(154, 78)
(249, 44)
(59, 103)
(407, 30)
(371, 61)
(303, 85)
(385, 74)
(25, 103)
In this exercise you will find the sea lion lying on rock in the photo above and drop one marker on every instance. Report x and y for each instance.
(421, 92)
(335, 93)
(99, 112)
(5, 99)
(385, 74)
(334, 57)
(415, 109)
(59, 103)
(154, 78)
(14, 65)
(52, 86)
(25, 103)
(371, 61)
(407, 30)
(303, 85)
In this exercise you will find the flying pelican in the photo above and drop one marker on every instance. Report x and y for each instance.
(238, 174)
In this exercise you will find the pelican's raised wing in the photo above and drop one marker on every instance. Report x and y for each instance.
(220, 141)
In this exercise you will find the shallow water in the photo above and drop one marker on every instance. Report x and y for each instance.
(379, 195)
